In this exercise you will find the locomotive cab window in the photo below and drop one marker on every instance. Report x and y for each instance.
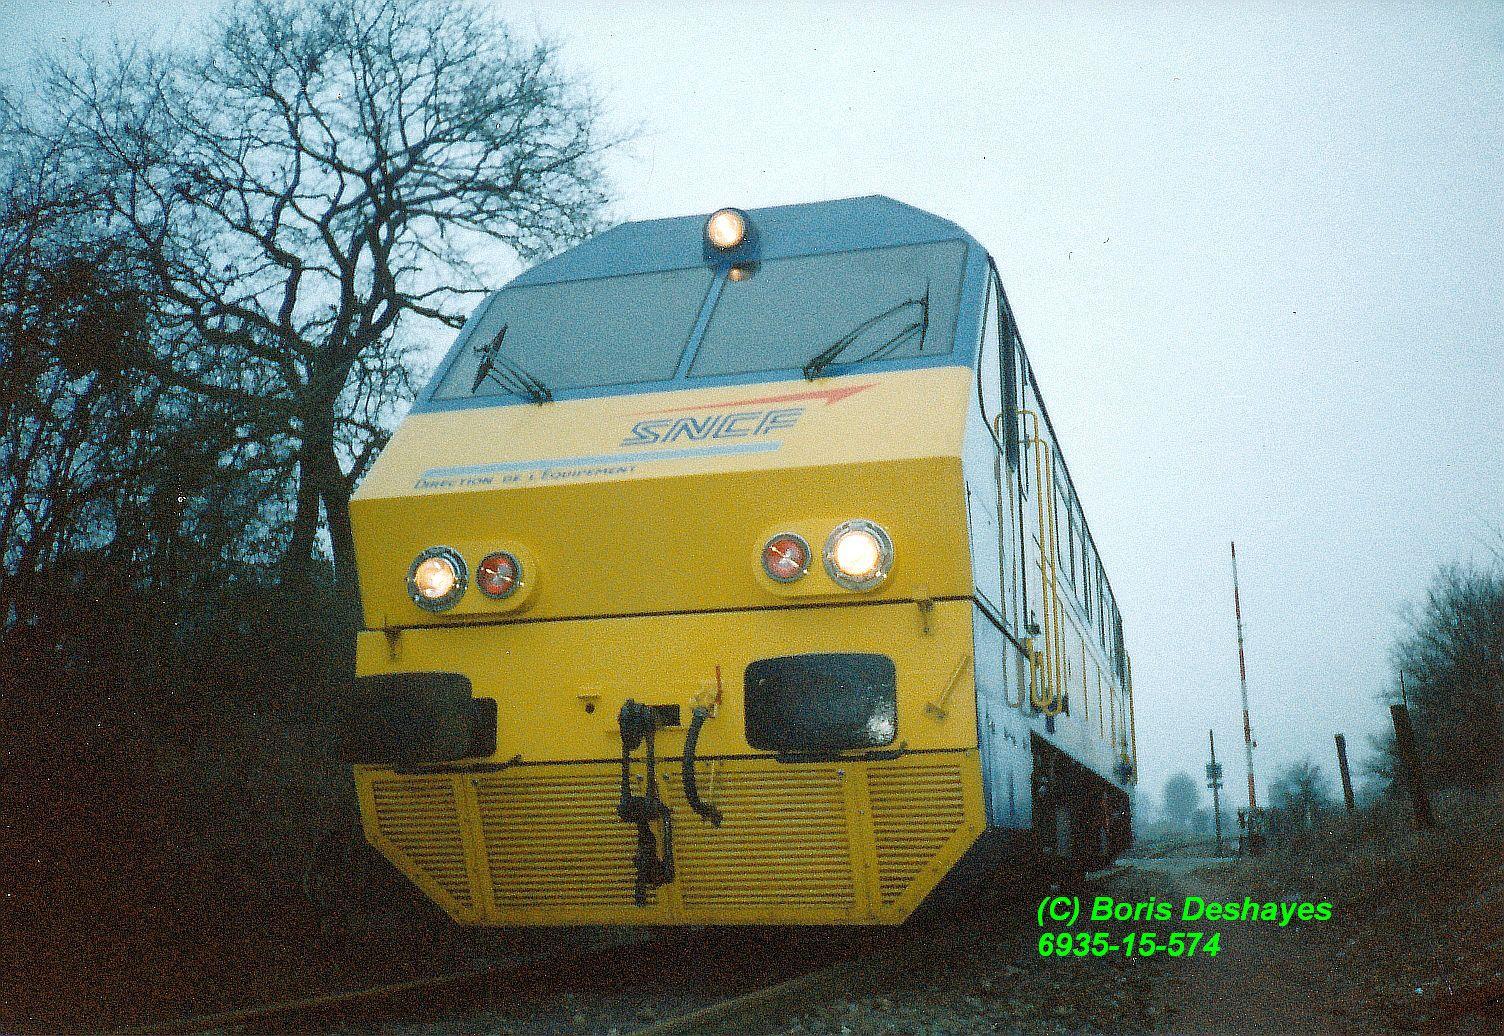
(846, 307)
(578, 335)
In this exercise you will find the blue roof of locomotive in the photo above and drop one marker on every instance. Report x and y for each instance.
(776, 232)
(811, 228)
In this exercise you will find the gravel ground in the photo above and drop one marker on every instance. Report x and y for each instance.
(992, 979)
(1416, 945)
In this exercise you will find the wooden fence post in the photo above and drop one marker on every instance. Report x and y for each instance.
(1404, 742)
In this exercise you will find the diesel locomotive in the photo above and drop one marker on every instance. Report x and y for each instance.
(729, 571)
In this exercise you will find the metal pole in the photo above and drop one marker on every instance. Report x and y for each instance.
(1215, 780)
(1237, 608)
(1347, 779)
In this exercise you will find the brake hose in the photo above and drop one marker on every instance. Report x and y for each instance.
(691, 786)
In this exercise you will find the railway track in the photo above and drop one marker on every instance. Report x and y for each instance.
(657, 983)
(333, 1010)
(738, 1013)
(863, 973)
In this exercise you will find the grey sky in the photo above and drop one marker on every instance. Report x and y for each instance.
(1255, 252)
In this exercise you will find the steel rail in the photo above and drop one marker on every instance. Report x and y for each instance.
(333, 1002)
(866, 969)
(739, 1012)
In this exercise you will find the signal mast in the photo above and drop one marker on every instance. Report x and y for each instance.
(1237, 609)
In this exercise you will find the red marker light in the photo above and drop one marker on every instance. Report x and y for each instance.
(498, 575)
(785, 557)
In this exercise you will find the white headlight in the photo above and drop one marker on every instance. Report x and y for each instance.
(726, 228)
(437, 579)
(858, 554)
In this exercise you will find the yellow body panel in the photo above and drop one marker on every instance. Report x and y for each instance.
(669, 533)
(539, 842)
(546, 675)
(644, 581)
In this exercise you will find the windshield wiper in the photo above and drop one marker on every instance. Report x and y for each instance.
(507, 374)
(920, 327)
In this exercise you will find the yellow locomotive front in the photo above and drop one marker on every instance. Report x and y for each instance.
(667, 583)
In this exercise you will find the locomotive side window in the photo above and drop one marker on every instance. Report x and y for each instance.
(579, 334)
(1063, 532)
(1088, 577)
(1083, 551)
(1009, 360)
(1026, 479)
(1086, 568)
(1102, 601)
(1071, 526)
(883, 304)
(1093, 600)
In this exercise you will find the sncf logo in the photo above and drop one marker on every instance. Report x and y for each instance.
(695, 428)
(739, 419)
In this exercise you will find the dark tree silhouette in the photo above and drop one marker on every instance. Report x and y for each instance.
(1181, 797)
(1300, 793)
(1452, 658)
(296, 191)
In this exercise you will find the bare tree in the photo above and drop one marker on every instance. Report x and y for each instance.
(1299, 794)
(1452, 658)
(68, 437)
(299, 188)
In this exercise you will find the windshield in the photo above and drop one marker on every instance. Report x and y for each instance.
(811, 313)
(784, 313)
(580, 334)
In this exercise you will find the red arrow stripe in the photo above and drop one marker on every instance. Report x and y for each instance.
(829, 395)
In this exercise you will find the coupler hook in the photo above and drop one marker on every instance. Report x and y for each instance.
(639, 723)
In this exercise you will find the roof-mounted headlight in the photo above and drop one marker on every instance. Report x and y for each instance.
(726, 229)
(858, 554)
(437, 579)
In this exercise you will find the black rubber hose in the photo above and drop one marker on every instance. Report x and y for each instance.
(691, 786)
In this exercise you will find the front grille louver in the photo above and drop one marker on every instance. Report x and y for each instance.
(555, 840)
(915, 811)
(418, 817)
(794, 845)
(784, 842)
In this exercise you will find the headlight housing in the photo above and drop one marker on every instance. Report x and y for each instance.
(499, 575)
(858, 554)
(786, 557)
(726, 229)
(437, 579)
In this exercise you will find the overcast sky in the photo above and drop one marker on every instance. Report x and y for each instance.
(1255, 252)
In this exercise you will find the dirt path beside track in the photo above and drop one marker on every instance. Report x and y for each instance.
(1264, 979)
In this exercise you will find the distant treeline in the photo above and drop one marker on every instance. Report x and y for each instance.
(1448, 667)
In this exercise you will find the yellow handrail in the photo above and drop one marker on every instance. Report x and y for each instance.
(1048, 693)
(939, 707)
(1047, 690)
